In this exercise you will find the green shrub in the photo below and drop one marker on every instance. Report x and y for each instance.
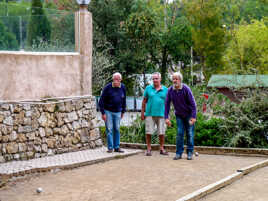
(208, 132)
(239, 125)
(246, 124)
(132, 134)
(171, 132)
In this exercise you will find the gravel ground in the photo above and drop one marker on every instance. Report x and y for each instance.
(135, 178)
(252, 187)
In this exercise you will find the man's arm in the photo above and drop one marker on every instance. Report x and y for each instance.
(144, 101)
(124, 102)
(192, 105)
(101, 104)
(167, 108)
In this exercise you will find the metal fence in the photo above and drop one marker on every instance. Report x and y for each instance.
(133, 104)
(37, 33)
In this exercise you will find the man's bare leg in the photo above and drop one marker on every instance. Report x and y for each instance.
(162, 141)
(148, 141)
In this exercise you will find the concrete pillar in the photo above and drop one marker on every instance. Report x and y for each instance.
(83, 44)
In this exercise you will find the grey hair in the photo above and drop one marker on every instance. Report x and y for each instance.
(117, 74)
(157, 73)
(177, 74)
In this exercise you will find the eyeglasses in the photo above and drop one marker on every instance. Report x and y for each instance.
(156, 78)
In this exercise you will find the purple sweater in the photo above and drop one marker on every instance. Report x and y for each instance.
(183, 101)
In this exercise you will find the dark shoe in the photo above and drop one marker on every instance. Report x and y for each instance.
(119, 150)
(190, 156)
(148, 153)
(163, 152)
(110, 151)
(177, 157)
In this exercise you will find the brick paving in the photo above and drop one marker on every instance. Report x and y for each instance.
(65, 160)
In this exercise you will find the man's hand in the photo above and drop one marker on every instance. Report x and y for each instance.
(103, 117)
(143, 106)
(168, 122)
(122, 115)
(192, 121)
(142, 116)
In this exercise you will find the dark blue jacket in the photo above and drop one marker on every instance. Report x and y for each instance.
(113, 99)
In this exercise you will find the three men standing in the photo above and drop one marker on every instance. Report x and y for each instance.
(155, 112)
(112, 105)
(153, 105)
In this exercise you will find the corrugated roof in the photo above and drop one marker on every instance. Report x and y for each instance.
(238, 81)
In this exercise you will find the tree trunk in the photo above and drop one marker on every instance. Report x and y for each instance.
(164, 65)
(144, 77)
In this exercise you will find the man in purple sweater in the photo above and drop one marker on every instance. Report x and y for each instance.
(185, 110)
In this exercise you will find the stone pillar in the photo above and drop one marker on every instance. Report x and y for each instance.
(83, 45)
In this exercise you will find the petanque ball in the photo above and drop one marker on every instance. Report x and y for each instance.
(39, 190)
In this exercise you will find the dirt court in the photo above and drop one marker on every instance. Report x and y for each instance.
(135, 178)
(252, 187)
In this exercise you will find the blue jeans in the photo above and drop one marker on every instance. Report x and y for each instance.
(112, 124)
(183, 125)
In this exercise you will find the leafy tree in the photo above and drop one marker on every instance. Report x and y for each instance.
(70, 5)
(108, 18)
(7, 39)
(179, 41)
(208, 34)
(248, 49)
(102, 63)
(139, 28)
(160, 37)
(39, 26)
(254, 9)
(236, 11)
(174, 33)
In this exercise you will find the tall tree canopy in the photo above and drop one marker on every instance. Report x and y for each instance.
(208, 33)
(160, 36)
(248, 49)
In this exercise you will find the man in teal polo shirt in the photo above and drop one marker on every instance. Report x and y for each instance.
(154, 106)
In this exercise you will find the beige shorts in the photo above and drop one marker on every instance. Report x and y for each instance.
(151, 123)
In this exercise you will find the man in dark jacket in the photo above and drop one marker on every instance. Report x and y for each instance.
(112, 105)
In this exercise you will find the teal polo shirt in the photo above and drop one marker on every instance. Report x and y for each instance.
(155, 105)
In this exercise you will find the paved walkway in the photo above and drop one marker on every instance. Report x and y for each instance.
(252, 187)
(66, 160)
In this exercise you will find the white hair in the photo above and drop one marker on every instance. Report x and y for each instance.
(177, 74)
(157, 73)
(117, 74)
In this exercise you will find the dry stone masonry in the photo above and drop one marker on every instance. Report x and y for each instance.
(47, 127)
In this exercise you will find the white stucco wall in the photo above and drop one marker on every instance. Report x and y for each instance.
(32, 75)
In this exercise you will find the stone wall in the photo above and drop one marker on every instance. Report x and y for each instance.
(47, 127)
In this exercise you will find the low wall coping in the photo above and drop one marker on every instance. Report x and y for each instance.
(40, 53)
(205, 149)
(50, 100)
